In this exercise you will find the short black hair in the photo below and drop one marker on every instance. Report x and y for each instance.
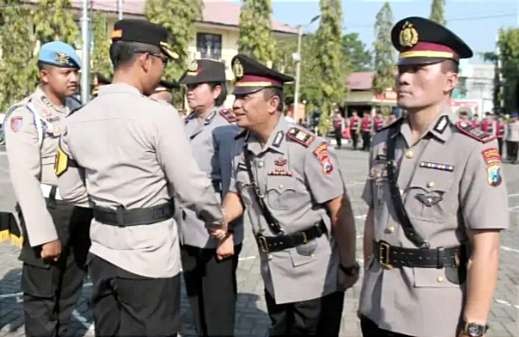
(270, 92)
(223, 94)
(123, 52)
(43, 65)
(450, 66)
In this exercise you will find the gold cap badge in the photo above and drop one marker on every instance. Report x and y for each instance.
(62, 59)
(408, 35)
(237, 69)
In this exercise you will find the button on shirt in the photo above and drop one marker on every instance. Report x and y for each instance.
(446, 193)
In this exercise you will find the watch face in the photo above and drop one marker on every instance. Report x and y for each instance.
(475, 330)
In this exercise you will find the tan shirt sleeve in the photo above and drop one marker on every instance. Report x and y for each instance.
(367, 192)
(483, 192)
(71, 182)
(191, 185)
(23, 151)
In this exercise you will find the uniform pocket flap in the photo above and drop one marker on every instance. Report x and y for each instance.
(432, 278)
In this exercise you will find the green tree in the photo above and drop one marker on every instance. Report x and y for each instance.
(437, 11)
(17, 49)
(508, 44)
(330, 61)
(355, 52)
(178, 17)
(54, 20)
(101, 49)
(255, 30)
(384, 53)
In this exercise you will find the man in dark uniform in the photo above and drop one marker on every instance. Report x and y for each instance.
(437, 202)
(291, 187)
(209, 265)
(55, 233)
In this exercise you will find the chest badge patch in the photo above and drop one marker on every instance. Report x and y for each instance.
(321, 152)
(493, 161)
(280, 168)
(437, 166)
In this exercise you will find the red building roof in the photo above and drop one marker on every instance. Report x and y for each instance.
(360, 80)
(218, 12)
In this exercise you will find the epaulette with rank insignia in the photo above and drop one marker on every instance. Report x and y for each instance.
(228, 115)
(300, 136)
(474, 132)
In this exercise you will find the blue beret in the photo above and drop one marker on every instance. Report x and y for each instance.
(59, 54)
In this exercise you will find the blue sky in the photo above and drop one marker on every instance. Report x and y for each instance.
(475, 21)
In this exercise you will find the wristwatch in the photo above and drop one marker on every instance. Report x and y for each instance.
(350, 270)
(474, 329)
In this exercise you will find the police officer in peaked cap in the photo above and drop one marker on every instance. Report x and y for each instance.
(437, 202)
(289, 182)
(209, 265)
(126, 155)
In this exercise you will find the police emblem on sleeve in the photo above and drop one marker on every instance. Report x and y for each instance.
(408, 35)
(62, 162)
(321, 152)
(493, 161)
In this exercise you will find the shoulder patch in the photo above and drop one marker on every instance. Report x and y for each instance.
(300, 136)
(474, 132)
(228, 115)
(321, 153)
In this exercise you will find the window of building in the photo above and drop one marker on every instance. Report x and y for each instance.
(209, 45)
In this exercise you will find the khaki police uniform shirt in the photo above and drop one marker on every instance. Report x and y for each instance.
(450, 183)
(212, 141)
(32, 131)
(296, 179)
(131, 152)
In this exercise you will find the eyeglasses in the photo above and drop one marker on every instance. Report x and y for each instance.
(163, 58)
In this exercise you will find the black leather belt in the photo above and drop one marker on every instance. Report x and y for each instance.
(133, 217)
(269, 244)
(394, 257)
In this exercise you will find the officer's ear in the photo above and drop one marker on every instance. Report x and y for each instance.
(450, 69)
(144, 61)
(44, 72)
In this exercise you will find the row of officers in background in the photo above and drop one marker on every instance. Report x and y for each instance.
(125, 188)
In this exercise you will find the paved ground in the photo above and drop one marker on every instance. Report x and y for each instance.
(252, 319)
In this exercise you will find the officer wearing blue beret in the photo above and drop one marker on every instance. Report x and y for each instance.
(55, 233)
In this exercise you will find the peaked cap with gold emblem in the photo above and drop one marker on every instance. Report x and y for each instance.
(422, 41)
(134, 30)
(252, 76)
(204, 71)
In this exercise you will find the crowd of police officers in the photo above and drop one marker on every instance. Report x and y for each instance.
(126, 188)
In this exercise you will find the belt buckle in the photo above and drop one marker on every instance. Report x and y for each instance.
(383, 255)
(305, 238)
(262, 243)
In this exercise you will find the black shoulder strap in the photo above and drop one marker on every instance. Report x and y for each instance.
(273, 224)
(396, 197)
